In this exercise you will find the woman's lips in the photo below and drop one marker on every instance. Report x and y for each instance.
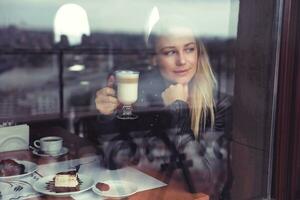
(181, 71)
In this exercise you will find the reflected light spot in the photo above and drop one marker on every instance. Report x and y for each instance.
(76, 68)
(152, 20)
(84, 82)
(71, 20)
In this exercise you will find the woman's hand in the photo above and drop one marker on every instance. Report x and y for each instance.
(106, 101)
(175, 92)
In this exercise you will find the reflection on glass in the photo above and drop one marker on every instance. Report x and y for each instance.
(71, 20)
(76, 68)
(153, 19)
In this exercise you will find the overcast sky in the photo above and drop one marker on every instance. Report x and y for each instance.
(212, 17)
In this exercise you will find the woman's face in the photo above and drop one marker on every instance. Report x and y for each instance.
(176, 55)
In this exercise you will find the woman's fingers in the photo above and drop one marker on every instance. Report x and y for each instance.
(175, 92)
(108, 99)
(106, 102)
(106, 108)
(107, 91)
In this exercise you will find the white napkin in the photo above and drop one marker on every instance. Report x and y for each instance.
(142, 180)
(14, 138)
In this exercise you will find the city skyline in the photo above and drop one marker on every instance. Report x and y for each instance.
(217, 18)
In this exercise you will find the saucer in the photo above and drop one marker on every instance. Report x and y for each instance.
(38, 152)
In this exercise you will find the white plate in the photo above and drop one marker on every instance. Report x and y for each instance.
(41, 186)
(30, 167)
(117, 189)
(63, 151)
(5, 188)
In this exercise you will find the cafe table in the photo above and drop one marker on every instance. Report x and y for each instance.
(80, 148)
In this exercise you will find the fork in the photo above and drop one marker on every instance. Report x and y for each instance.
(77, 167)
(18, 188)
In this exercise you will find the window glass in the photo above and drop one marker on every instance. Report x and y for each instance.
(56, 55)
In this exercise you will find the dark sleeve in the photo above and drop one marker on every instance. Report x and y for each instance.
(175, 126)
(116, 145)
(180, 118)
(102, 127)
(100, 130)
(107, 124)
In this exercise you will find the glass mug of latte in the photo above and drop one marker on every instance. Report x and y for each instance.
(127, 92)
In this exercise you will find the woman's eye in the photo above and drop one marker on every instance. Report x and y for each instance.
(189, 50)
(169, 53)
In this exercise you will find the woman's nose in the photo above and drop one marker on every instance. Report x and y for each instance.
(181, 59)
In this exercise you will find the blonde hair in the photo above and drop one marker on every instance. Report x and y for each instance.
(201, 92)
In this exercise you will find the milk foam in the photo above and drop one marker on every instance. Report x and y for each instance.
(127, 74)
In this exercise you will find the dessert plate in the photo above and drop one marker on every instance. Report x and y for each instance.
(37, 152)
(5, 188)
(30, 167)
(117, 189)
(42, 183)
(15, 189)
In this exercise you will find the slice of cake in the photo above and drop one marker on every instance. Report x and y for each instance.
(9, 167)
(66, 181)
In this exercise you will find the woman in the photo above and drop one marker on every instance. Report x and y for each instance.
(189, 122)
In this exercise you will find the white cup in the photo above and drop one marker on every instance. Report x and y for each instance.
(50, 145)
